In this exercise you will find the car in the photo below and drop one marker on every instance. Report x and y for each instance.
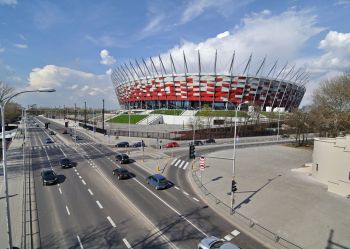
(138, 144)
(121, 173)
(48, 176)
(37, 125)
(65, 163)
(158, 181)
(213, 242)
(210, 141)
(122, 158)
(64, 131)
(122, 144)
(285, 136)
(52, 133)
(48, 140)
(197, 143)
(76, 137)
(171, 145)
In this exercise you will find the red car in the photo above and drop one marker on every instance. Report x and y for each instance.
(171, 145)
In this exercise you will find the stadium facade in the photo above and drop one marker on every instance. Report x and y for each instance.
(146, 86)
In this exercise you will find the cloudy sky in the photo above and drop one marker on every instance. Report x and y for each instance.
(73, 45)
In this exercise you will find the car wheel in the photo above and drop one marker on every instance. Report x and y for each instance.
(118, 177)
(157, 188)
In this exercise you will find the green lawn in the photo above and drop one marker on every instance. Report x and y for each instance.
(124, 118)
(168, 112)
(273, 115)
(221, 113)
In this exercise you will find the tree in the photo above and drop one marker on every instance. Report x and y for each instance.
(330, 111)
(299, 120)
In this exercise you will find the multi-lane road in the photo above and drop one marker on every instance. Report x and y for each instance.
(90, 208)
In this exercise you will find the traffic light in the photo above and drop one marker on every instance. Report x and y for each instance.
(192, 151)
(233, 186)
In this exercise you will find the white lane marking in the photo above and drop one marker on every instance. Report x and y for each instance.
(185, 165)
(170, 207)
(174, 161)
(90, 192)
(177, 163)
(80, 177)
(75, 170)
(80, 244)
(99, 204)
(58, 184)
(194, 198)
(185, 193)
(83, 182)
(63, 152)
(67, 210)
(177, 188)
(181, 164)
(228, 237)
(59, 189)
(77, 173)
(127, 243)
(235, 232)
(111, 221)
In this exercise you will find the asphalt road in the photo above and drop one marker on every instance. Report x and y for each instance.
(90, 208)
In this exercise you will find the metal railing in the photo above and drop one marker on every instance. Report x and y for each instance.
(251, 224)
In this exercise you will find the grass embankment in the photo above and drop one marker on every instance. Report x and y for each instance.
(124, 118)
(274, 115)
(168, 112)
(221, 113)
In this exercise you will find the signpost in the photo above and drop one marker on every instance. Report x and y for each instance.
(201, 166)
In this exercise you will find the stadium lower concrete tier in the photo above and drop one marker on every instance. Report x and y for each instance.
(195, 91)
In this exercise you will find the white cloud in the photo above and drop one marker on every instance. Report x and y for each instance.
(155, 24)
(109, 71)
(85, 88)
(73, 86)
(223, 35)
(8, 2)
(106, 59)
(18, 45)
(2, 50)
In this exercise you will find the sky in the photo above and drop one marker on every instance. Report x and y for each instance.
(73, 45)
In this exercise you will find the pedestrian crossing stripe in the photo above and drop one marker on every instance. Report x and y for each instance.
(179, 163)
(186, 165)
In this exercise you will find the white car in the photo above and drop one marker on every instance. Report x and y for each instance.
(215, 243)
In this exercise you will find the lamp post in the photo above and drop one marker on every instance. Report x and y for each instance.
(4, 155)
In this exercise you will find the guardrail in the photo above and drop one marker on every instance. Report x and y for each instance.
(251, 224)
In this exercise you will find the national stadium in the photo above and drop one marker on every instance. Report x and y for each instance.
(151, 85)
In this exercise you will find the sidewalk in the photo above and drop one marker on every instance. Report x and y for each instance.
(274, 203)
(15, 186)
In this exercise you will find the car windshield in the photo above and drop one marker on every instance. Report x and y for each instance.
(49, 173)
(163, 180)
(66, 160)
(217, 244)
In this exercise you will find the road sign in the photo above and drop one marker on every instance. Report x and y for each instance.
(202, 163)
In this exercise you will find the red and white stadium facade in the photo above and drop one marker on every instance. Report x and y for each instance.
(147, 86)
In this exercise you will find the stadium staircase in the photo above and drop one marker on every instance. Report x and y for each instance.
(189, 113)
(151, 120)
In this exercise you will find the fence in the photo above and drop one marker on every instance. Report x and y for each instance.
(284, 243)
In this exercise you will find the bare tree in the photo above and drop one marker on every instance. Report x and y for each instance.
(5, 91)
(299, 120)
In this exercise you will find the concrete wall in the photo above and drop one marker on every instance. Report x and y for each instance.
(188, 120)
(331, 163)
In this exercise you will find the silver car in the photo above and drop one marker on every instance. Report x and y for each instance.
(215, 243)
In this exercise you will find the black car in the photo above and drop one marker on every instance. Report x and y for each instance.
(210, 141)
(122, 158)
(121, 173)
(138, 144)
(65, 163)
(285, 136)
(197, 143)
(48, 176)
(122, 145)
(52, 133)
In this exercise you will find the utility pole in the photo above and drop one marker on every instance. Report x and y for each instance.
(103, 116)
(75, 113)
(85, 115)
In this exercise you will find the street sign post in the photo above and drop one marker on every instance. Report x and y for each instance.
(202, 163)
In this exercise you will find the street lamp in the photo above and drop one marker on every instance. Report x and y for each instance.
(4, 155)
(237, 107)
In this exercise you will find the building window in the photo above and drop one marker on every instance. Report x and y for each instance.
(316, 166)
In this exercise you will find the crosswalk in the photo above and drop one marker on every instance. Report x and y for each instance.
(57, 146)
(179, 164)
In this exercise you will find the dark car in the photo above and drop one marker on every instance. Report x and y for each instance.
(121, 173)
(122, 158)
(65, 163)
(285, 136)
(122, 144)
(48, 140)
(138, 144)
(52, 133)
(158, 181)
(48, 176)
(64, 131)
(197, 143)
(210, 141)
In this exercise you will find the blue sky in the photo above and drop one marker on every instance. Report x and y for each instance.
(72, 45)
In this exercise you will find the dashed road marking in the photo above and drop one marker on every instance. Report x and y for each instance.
(194, 198)
(90, 192)
(127, 244)
(177, 188)
(80, 244)
(80, 177)
(77, 173)
(185, 193)
(83, 182)
(59, 189)
(99, 204)
(228, 237)
(235, 232)
(67, 210)
(111, 221)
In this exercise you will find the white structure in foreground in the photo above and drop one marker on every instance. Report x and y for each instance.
(331, 163)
